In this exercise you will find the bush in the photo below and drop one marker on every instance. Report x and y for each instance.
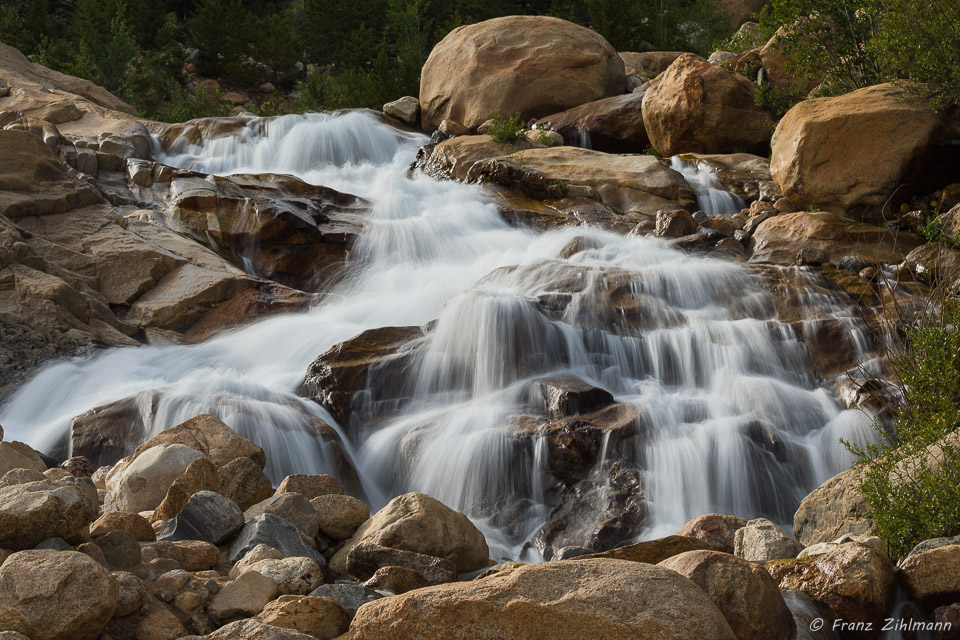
(195, 104)
(911, 481)
(507, 130)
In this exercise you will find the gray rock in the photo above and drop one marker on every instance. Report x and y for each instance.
(21, 476)
(208, 516)
(57, 544)
(365, 558)
(292, 507)
(349, 595)
(275, 532)
(120, 549)
(932, 543)
(761, 540)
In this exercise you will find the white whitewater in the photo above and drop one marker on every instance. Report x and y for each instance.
(706, 362)
(712, 198)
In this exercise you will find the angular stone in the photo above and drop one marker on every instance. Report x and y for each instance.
(201, 475)
(292, 507)
(296, 576)
(120, 549)
(652, 551)
(190, 555)
(932, 577)
(350, 596)
(241, 598)
(366, 558)
(761, 540)
(207, 516)
(16, 455)
(255, 555)
(311, 486)
(134, 523)
(715, 529)
(567, 396)
(244, 482)
(275, 532)
(208, 434)
(396, 580)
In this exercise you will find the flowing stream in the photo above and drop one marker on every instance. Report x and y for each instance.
(714, 377)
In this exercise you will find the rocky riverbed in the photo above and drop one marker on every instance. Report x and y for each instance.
(289, 377)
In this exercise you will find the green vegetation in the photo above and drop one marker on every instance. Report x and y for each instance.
(847, 44)
(507, 129)
(912, 493)
(544, 138)
(318, 54)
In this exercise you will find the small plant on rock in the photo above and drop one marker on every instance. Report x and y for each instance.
(507, 129)
(544, 138)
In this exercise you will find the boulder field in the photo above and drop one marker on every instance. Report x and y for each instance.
(89, 557)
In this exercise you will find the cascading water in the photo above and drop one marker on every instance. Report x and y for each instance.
(712, 198)
(728, 414)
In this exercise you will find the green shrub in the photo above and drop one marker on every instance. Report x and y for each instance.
(507, 129)
(545, 139)
(911, 495)
(186, 105)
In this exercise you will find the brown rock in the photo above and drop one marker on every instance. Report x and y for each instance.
(294, 576)
(243, 481)
(292, 507)
(209, 435)
(311, 486)
(79, 467)
(715, 529)
(746, 595)
(120, 549)
(17, 455)
(191, 555)
(854, 580)
(201, 475)
(253, 630)
(416, 522)
(834, 509)
(653, 551)
(780, 238)
(573, 599)
(396, 580)
(33, 512)
(366, 558)
(143, 483)
(340, 516)
(317, 617)
(533, 65)
(56, 595)
(133, 523)
(931, 577)
(934, 263)
(850, 153)
(241, 598)
(612, 124)
(695, 106)
(675, 224)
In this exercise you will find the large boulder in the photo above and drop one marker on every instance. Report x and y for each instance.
(143, 484)
(931, 576)
(599, 599)
(531, 65)
(416, 522)
(208, 434)
(612, 124)
(654, 551)
(716, 529)
(699, 107)
(340, 516)
(852, 152)
(296, 575)
(366, 558)
(56, 595)
(855, 581)
(780, 238)
(274, 532)
(834, 509)
(35, 511)
(243, 481)
(747, 596)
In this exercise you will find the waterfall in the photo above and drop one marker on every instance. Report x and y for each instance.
(712, 197)
(730, 416)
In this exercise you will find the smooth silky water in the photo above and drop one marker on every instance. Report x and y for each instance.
(705, 361)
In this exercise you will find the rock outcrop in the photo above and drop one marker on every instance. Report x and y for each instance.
(612, 124)
(531, 65)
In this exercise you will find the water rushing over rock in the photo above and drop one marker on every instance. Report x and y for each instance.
(712, 198)
(707, 399)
